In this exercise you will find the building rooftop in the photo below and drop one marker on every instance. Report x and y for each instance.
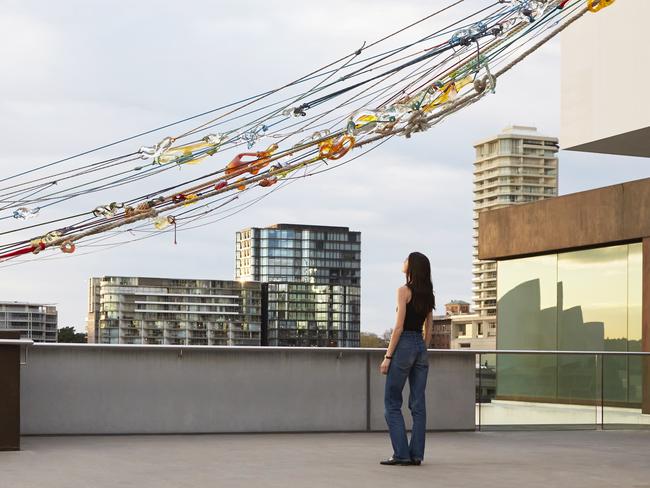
(331, 228)
(589, 459)
(518, 131)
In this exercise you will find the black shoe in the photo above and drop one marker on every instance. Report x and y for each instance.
(391, 461)
(416, 461)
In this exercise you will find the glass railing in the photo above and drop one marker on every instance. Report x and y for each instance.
(526, 390)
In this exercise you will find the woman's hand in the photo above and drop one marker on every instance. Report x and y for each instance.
(383, 368)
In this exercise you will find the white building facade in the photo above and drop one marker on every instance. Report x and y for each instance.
(34, 321)
(517, 166)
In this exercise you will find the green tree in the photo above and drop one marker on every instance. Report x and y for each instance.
(68, 335)
(386, 335)
(368, 339)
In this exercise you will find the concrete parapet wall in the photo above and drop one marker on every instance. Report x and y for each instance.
(92, 389)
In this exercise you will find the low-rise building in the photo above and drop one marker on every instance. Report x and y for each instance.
(138, 310)
(34, 321)
(469, 331)
(441, 334)
(456, 307)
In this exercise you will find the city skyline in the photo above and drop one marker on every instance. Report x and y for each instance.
(418, 196)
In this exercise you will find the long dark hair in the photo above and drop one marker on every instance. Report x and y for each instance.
(418, 279)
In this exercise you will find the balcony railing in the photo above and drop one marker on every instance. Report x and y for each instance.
(562, 389)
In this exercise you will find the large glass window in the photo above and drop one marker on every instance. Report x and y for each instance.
(527, 299)
(582, 300)
(592, 316)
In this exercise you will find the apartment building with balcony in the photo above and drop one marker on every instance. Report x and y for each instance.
(34, 321)
(139, 310)
(519, 165)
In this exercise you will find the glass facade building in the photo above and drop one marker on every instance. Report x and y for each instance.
(314, 282)
(586, 300)
(306, 314)
(306, 253)
(136, 310)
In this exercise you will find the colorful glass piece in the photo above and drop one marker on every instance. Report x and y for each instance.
(68, 247)
(24, 213)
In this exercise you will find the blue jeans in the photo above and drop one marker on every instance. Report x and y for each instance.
(409, 361)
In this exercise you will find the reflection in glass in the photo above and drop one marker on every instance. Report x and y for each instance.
(634, 324)
(592, 305)
(583, 300)
(527, 320)
(524, 411)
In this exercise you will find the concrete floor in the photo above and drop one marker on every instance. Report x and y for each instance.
(490, 459)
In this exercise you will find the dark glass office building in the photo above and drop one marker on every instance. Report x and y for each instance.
(314, 282)
(307, 314)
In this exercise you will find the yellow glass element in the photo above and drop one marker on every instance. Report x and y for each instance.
(37, 245)
(184, 154)
(52, 236)
(597, 5)
(448, 93)
(190, 199)
(161, 222)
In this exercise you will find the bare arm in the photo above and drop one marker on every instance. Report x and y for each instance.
(428, 329)
(402, 296)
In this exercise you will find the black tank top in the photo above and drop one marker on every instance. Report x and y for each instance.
(413, 320)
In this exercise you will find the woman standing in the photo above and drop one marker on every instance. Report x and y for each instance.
(406, 357)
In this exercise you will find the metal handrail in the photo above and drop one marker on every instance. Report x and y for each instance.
(541, 352)
(16, 342)
(310, 349)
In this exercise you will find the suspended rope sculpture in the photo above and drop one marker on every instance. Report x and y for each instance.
(358, 100)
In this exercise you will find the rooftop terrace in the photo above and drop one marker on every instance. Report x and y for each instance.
(139, 416)
(587, 459)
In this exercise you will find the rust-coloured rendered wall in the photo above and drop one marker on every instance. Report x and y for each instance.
(594, 218)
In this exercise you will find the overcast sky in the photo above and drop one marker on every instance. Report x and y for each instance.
(76, 74)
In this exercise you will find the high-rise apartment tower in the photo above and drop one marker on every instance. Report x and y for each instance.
(517, 166)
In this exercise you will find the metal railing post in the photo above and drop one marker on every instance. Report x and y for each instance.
(602, 391)
(480, 407)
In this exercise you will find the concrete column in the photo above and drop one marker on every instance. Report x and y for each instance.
(9, 393)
